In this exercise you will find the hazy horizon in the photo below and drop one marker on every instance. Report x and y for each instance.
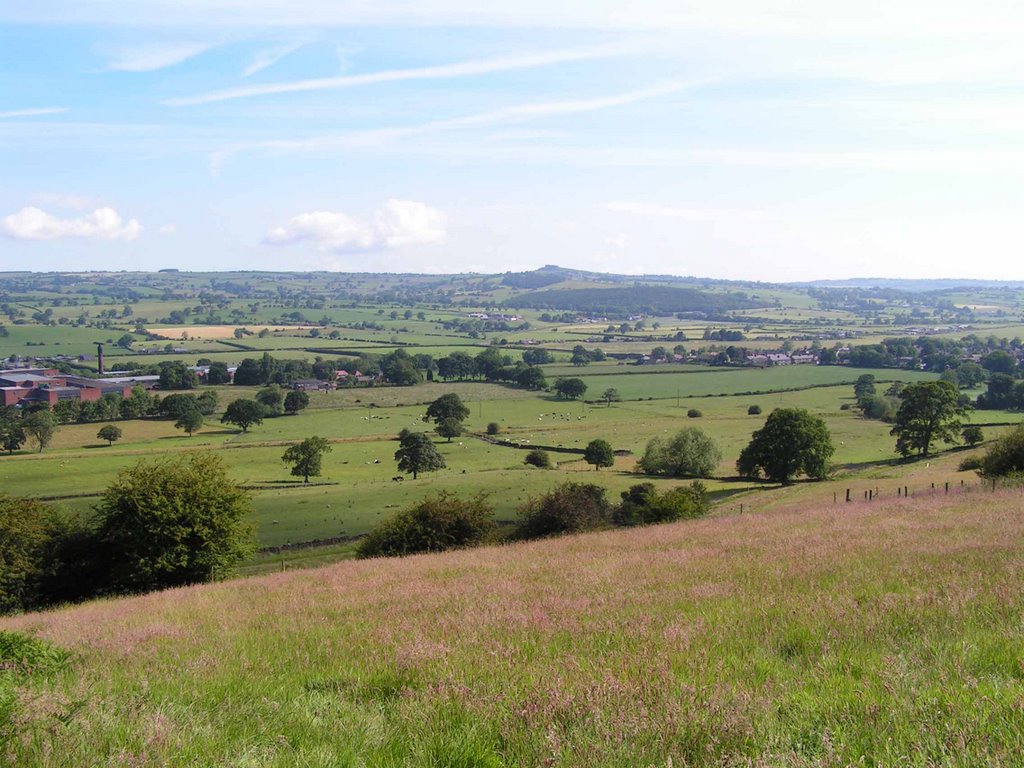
(722, 140)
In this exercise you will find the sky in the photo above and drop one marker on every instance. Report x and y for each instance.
(785, 141)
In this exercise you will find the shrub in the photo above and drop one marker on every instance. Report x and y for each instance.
(973, 435)
(693, 413)
(754, 410)
(642, 504)
(493, 428)
(435, 524)
(568, 508)
(28, 529)
(171, 522)
(538, 458)
(691, 453)
(1005, 456)
(970, 463)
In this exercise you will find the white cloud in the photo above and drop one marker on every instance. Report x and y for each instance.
(398, 223)
(34, 112)
(31, 223)
(460, 69)
(268, 58)
(147, 58)
(168, 229)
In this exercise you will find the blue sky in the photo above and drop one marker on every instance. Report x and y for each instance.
(733, 139)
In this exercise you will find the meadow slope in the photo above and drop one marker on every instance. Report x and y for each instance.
(806, 634)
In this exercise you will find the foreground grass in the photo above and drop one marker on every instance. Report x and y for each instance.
(804, 635)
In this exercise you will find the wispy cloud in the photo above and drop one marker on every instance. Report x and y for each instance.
(442, 71)
(34, 112)
(269, 57)
(31, 223)
(660, 211)
(513, 114)
(148, 58)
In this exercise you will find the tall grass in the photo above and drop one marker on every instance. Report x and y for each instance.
(869, 634)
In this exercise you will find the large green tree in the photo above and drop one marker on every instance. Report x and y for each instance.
(570, 388)
(306, 457)
(448, 406)
(791, 442)
(599, 453)
(417, 454)
(12, 431)
(690, 453)
(27, 530)
(929, 411)
(40, 426)
(175, 521)
(190, 421)
(243, 413)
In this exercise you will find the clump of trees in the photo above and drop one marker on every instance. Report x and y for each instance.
(568, 508)
(690, 453)
(160, 524)
(791, 442)
(435, 524)
(643, 505)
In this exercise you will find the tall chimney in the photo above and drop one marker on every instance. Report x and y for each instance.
(99, 358)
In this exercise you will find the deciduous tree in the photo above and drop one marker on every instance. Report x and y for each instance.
(929, 411)
(791, 442)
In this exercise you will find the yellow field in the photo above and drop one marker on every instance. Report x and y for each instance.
(217, 331)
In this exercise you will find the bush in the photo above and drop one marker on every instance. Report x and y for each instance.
(691, 453)
(493, 428)
(970, 463)
(171, 522)
(568, 508)
(538, 458)
(28, 533)
(754, 410)
(642, 504)
(973, 435)
(436, 524)
(693, 413)
(1005, 456)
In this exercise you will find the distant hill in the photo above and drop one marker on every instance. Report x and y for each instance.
(636, 299)
(913, 285)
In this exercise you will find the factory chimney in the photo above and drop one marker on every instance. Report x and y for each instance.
(99, 358)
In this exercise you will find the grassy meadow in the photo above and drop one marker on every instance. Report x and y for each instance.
(802, 634)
